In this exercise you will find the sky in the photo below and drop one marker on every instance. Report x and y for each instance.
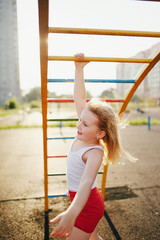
(100, 14)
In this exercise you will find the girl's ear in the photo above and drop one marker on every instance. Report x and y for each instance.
(101, 134)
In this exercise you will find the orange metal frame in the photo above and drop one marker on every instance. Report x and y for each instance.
(43, 32)
(104, 32)
(100, 59)
(139, 78)
(44, 58)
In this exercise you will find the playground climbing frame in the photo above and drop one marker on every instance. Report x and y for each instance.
(44, 30)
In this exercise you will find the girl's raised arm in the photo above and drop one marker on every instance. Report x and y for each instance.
(79, 86)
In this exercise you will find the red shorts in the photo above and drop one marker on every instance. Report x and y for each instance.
(92, 212)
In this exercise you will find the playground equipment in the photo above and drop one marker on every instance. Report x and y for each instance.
(44, 58)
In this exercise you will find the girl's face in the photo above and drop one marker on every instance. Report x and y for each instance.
(87, 127)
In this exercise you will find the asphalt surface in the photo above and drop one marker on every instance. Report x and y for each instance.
(132, 190)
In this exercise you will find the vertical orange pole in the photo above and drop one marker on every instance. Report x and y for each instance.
(105, 169)
(43, 31)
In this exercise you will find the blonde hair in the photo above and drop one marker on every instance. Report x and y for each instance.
(108, 122)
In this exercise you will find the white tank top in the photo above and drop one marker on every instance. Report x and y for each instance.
(76, 166)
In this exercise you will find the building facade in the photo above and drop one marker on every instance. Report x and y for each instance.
(9, 61)
(150, 87)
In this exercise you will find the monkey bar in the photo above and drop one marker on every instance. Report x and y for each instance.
(57, 100)
(100, 59)
(44, 31)
(110, 32)
(60, 80)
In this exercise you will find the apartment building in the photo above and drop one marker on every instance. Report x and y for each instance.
(150, 87)
(9, 62)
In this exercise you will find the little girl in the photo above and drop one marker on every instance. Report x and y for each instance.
(97, 134)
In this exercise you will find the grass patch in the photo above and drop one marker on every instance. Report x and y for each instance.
(18, 127)
(4, 113)
(73, 124)
(64, 124)
(144, 122)
(67, 124)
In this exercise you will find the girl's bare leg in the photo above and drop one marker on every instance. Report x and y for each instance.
(78, 234)
(94, 235)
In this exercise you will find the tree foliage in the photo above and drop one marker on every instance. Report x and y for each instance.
(34, 94)
(109, 93)
(12, 103)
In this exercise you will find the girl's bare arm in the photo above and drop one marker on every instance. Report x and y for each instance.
(79, 86)
(66, 219)
(94, 160)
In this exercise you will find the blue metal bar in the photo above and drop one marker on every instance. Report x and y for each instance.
(58, 195)
(58, 138)
(149, 122)
(93, 80)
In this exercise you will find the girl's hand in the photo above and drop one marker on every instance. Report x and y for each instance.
(80, 63)
(65, 224)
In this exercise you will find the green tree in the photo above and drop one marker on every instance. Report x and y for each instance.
(12, 103)
(34, 94)
(109, 93)
(34, 104)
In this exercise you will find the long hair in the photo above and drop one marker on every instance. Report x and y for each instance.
(108, 122)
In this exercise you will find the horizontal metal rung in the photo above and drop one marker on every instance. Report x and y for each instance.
(100, 59)
(59, 138)
(59, 156)
(62, 119)
(58, 195)
(56, 174)
(56, 80)
(64, 174)
(57, 100)
(110, 32)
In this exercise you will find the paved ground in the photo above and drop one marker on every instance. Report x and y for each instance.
(132, 190)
